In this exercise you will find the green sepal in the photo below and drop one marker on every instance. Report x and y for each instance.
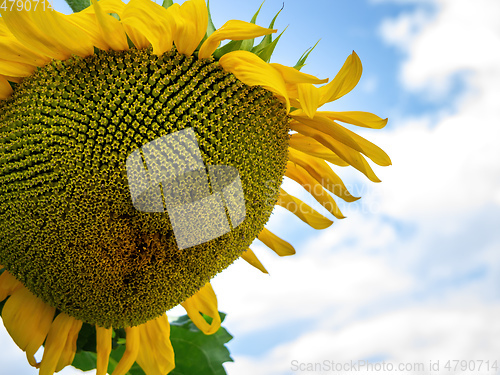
(303, 58)
(234, 45)
(266, 53)
(78, 5)
(167, 3)
(210, 27)
(268, 39)
(248, 43)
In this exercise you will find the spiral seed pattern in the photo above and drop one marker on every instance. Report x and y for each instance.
(69, 231)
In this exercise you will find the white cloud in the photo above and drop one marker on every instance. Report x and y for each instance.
(464, 36)
(434, 285)
(411, 337)
(319, 280)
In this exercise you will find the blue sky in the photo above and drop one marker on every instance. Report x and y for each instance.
(412, 274)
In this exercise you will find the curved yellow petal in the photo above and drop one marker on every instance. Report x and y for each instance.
(69, 349)
(300, 175)
(192, 22)
(312, 147)
(111, 29)
(345, 136)
(358, 118)
(131, 351)
(294, 76)
(345, 80)
(234, 30)
(303, 211)
(87, 20)
(204, 301)
(22, 26)
(107, 6)
(250, 257)
(15, 69)
(327, 126)
(272, 241)
(156, 354)
(155, 23)
(322, 173)
(5, 92)
(253, 71)
(103, 349)
(8, 285)
(69, 37)
(346, 153)
(59, 343)
(309, 98)
(13, 50)
(28, 320)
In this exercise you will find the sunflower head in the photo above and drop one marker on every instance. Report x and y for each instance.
(138, 158)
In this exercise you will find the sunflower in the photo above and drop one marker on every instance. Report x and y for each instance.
(85, 99)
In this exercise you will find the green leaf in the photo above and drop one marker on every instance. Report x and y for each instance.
(268, 39)
(78, 5)
(248, 43)
(197, 353)
(167, 3)
(85, 361)
(303, 58)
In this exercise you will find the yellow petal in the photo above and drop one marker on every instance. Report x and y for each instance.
(322, 173)
(192, 22)
(13, 50)
(345, 80)
(131, 351)
(22, 26)
(15, 69)
(300, 175)
(28, 320)
(294, 76)
(253, 71)
(155, 23)
(69, 37)
(250, 257)
(327, 126)
(309, 98)
(107, 6)
(156, 354)
(272, 241)
(8, 285)
(346, 153)
(364, 119)
(312, 147)
(5, 92)
(56, 346)
(303, 211)
(346, 136)
(111, 29)
(87, 20)
(204, 301)
(234, 30)
(103, 341)
(69, 349)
